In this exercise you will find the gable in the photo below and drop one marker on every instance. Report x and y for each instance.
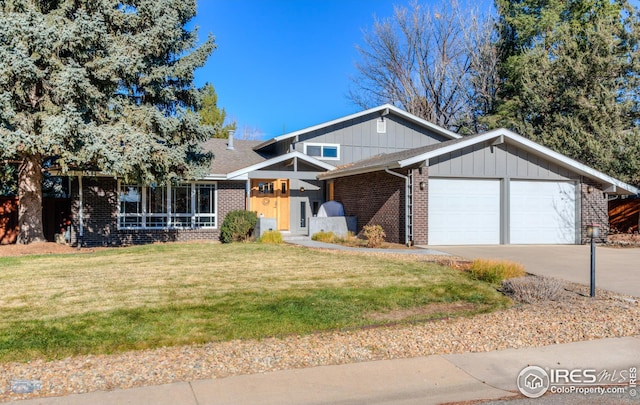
(503, 160)
(360, 138)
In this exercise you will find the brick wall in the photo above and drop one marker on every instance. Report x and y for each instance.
(594, 208)
(100, 197)
(420, 206)
(376, 199)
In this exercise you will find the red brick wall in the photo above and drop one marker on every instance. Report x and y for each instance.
(594, 208)
(376, 199)
(100, 197)
(420, 206)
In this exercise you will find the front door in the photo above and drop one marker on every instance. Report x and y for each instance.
(270, 199)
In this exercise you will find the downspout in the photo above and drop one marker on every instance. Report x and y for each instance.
(80, 212)
(406, 203)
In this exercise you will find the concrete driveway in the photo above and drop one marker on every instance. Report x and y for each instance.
(616, 269)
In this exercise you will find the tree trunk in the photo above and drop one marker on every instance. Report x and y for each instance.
(30, 200)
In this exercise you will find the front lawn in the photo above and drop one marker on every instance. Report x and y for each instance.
(171, 294)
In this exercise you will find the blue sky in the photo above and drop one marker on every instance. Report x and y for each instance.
(284, 65)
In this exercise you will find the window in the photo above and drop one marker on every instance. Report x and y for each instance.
(156, 207)
(205, 205)
(323, 151)
(130, 214)
(186, 205)
(181, 213)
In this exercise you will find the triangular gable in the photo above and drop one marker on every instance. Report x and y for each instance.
(528, 145)
(385, 108)
(279, 159)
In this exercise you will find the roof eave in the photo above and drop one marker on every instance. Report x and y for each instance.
(560, 159)
(361, 170)
(435, 128)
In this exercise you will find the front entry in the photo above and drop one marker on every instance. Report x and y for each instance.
(270, 199)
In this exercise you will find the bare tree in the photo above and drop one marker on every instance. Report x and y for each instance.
(249, 133)
(438, 64)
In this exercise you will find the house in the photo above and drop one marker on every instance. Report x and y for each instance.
(422, 183)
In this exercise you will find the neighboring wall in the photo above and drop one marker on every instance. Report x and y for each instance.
(55, 211)
(100, 197)
(624, 215)
(8, 220)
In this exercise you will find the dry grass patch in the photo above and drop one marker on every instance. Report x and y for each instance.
(168, 294)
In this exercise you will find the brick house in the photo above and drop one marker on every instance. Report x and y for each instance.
(422, 183)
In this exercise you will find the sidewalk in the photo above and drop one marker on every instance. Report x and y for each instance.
(423, 380)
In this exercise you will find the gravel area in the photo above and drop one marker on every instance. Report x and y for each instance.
(576, 318)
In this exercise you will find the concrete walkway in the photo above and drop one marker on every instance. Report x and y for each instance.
(617, 269)
(306, 242)
(423, 380)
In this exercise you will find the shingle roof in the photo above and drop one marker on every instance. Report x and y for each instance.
(226, 160)
(389, 159)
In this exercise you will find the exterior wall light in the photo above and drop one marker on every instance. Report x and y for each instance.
(302, 189)
(423, 185)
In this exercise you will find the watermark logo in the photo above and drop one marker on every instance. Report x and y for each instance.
(533, 381)
(25, 386)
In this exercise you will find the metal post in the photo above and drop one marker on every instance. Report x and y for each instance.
(593, 267)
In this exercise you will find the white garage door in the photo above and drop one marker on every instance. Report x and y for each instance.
(542, 212)
(464, 212)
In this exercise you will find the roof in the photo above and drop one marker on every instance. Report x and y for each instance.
(229, 160)
(236, 163)
(383, 109)
(412, 157)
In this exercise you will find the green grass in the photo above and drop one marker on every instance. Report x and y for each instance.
(161, 295)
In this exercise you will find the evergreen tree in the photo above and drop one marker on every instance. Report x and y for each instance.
(211, 115)
(569, 71)
(98, 84)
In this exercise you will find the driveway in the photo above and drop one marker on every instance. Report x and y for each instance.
(616, 269)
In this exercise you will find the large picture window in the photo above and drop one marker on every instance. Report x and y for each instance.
(185, 205)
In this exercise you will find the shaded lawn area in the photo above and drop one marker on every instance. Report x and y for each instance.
(171, 294)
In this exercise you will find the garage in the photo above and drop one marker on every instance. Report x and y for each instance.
(542, 212)
(464, 212)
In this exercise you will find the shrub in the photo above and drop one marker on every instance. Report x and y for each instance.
(238, 226)
(534, 288)
(494, 271)
(375, 235)
(274, 237)
(327, 237)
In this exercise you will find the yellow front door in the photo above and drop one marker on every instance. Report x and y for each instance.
(270, 199)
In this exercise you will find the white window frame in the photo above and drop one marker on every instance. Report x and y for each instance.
(170, 215)
(322, 146)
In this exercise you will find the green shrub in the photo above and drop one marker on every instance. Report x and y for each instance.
(494, 271)
(375, 235)
(327, 237)
(238, 226)
(273, 237)
(534, 288)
